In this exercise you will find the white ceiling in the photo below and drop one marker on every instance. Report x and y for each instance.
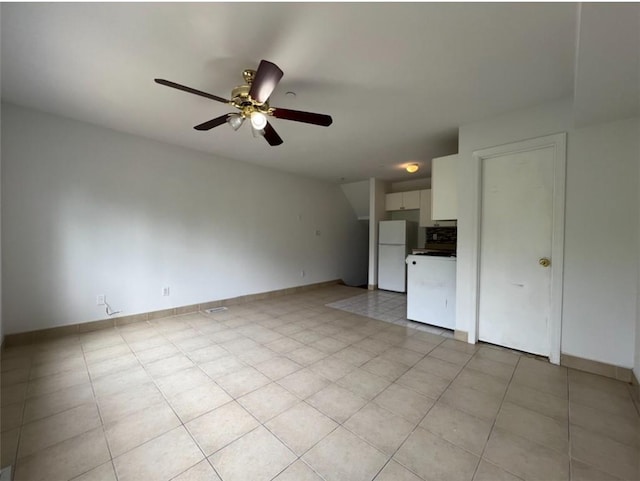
(398, 79)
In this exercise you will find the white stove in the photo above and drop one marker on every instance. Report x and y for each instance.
(431, 289)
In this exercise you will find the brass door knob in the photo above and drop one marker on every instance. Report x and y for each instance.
(544, 262)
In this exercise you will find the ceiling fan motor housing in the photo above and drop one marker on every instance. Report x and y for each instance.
(241, 99)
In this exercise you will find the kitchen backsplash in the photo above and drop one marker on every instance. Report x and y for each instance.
(442, 235)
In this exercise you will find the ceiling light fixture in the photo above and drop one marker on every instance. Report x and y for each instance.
(256, 133)
(235, 121)
(412, 168)
(258, 120)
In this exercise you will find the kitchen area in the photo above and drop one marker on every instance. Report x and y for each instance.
(415, 242)
(419, 258)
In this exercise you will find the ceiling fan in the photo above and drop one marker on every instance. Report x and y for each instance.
(251, 99)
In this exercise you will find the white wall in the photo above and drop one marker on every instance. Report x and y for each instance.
(1, 323)
(601, 253)
(90, 211)
(377, 212)
(411, 184)
(601, 243)
(636, 368)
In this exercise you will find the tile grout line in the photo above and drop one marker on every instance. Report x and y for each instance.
(129, 347)
(341, 424)
(272, 381)
(422, 419)
(298, 457)
(102, 423)
(261, 424)
(186, 353)
(233, 399)
(182, 424)
(94, 400)
(90, 379)
(493, 424)
(394, 345)
(569, 403)
(155, 384)
(338, 424)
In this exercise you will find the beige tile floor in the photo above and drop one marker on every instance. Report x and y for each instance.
(288, 389)
(385, 306)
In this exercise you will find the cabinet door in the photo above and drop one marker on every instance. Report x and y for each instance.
(444, 188)
(411, 200)
(393, 201)
(425, 208)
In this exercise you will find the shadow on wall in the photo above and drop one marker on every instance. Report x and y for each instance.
(360, 265)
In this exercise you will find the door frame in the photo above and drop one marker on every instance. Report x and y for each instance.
(559, 144)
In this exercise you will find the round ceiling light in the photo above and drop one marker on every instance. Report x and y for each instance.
(412, 168)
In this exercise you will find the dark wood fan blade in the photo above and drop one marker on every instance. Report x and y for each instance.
(271, 135)
(267, 77)
(184, 88)
(209, 124)
(306, 117)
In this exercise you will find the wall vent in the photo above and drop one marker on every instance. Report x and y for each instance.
(213, 310)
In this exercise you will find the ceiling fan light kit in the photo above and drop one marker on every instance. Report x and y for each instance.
(235, 121)
(258, 120)
(251, 99)
(257, 132)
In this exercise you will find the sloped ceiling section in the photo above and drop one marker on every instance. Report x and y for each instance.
(607, 79)
(357, 194)
(397, 78)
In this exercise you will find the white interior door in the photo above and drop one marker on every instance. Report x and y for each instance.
(514, 304)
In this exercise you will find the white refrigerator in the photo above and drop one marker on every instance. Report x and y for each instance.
(396, 238)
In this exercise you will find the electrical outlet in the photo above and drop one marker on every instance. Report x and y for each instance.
(101, 300)
(165, 291)
(302, 274)
(318, 233)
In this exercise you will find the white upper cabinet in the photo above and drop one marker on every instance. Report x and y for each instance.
(394, 201)
(403, 200)
(411, 199)
(425, 212)
(444, 188)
